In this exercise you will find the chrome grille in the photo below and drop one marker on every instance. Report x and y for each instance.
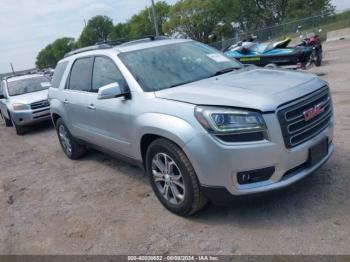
(40, 104)
(295, 128)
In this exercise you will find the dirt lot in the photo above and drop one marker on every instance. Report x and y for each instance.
(100, 205)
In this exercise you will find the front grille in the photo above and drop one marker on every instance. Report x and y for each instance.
(39, 104)
(296, 129)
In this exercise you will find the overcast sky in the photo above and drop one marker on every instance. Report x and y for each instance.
(27, 26)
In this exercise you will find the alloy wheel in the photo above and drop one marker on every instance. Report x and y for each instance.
(168, 178)
(63, 135)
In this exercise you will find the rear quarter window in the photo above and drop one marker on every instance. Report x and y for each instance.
(57, 76)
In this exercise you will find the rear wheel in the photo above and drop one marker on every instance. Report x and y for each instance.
(70, 146)
(173, 178)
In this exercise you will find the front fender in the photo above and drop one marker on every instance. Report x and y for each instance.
(173, 128)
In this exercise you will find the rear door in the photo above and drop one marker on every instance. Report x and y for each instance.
(76, 97)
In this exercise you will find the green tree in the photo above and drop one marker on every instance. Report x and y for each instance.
(197, 19)
(256, 14)
(97, 29)
(141, 24)
(119, 31)
(303, 8)
(52, 53)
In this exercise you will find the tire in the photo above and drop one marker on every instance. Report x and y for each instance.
(192, 199)
(20, 130)
(8, 122)
(70, 146)
(318, 60)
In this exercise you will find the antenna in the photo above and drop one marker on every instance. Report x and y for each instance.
(13, 71)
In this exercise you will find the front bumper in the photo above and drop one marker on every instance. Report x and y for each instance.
(28, 117)
(217, 163)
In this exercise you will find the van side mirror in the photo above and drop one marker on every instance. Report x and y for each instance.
(112, 90)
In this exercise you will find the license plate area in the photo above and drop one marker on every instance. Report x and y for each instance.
(318, 152)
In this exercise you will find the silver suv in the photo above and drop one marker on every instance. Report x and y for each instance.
(202, 125)
(23, 101)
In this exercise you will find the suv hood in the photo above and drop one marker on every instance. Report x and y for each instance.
(251, 87)
(30, 97)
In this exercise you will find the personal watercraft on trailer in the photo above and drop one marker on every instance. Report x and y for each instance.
(251, 52)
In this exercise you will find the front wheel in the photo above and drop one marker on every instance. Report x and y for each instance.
(8, 122)
(173, 178)
(70, 146)
(316, 57)
(20, 130)
(318, 60)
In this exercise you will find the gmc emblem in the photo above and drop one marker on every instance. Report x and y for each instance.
(313, 112)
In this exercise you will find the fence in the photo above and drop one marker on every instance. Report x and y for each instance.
(313, 23)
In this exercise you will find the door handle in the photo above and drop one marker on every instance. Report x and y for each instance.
(91, 107)
(65, 102)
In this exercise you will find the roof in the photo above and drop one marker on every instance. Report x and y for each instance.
(127, 46)
(22, 77)
(150, 44)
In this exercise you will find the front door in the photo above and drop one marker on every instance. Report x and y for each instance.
(110, 118)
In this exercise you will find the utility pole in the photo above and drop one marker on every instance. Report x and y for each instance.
(154, 14)
(13, 71)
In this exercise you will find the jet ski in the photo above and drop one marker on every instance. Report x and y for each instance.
(278, 53)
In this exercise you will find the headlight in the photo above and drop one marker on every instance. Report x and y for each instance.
(229, 121)
(20, 106)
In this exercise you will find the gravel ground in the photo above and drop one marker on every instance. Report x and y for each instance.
(100, 205)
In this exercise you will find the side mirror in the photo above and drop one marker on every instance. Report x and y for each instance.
(112, 90)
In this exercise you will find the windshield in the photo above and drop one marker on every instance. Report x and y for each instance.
(168, 66)
(29, 85)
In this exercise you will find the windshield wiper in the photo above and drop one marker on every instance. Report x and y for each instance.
(183, 83)
(226, 70)
(223, 71)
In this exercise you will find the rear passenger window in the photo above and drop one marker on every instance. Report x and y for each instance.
(80, 75)
(106, 72)
(57, 76)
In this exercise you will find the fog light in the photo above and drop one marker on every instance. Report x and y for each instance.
(253, 176)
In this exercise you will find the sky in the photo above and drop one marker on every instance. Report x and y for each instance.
(27, 26)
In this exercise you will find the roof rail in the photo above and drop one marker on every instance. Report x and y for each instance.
(144, 39)
(127, 41)
(118, 42)
(88, 48)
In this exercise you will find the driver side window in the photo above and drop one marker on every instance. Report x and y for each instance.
(106, 72)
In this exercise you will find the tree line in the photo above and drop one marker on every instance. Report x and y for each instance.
(203, 20)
